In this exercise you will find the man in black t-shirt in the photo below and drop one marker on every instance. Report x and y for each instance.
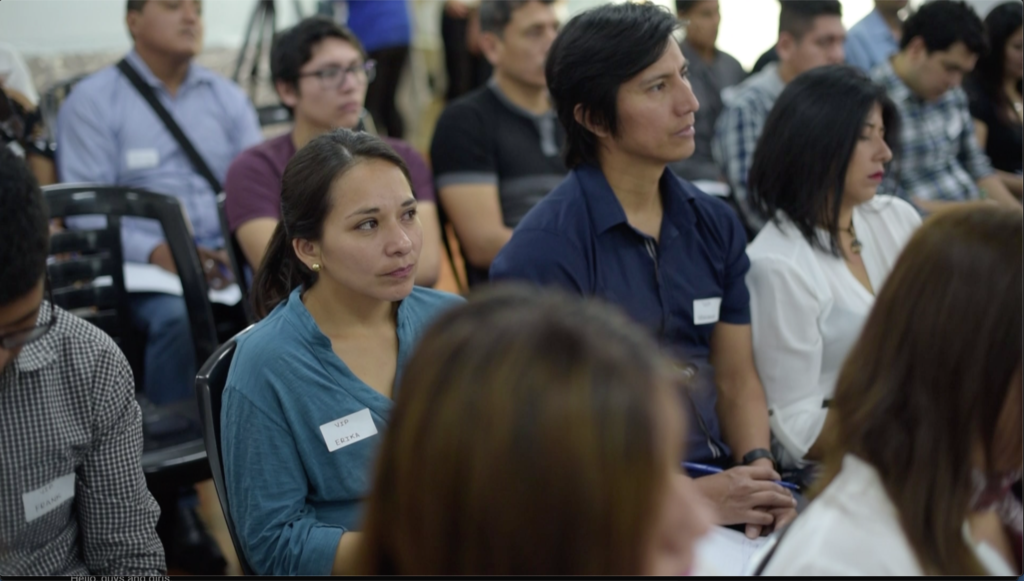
(497, 151)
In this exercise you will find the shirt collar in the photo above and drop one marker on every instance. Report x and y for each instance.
(880, 27)
(195, 75)
(605, 210)
(898, 91)
(41, 353)
(492, 84)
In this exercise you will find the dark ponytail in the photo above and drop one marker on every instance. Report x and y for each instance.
(305, 203)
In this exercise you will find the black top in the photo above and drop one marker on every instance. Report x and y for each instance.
(769, 56)
(483, 138)
(1003, 145)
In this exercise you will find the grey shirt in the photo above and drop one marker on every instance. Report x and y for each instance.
(73, 498)
(708, 81)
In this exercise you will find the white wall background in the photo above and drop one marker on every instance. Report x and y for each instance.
(39, 27)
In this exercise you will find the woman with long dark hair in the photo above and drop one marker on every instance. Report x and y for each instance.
(311, 385)
(535, 434)
(927, 413)
(815, 268)
(995, 91)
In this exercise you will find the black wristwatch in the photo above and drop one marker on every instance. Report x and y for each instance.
(757, 454)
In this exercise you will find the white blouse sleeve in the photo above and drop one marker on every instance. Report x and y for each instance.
(784, 313)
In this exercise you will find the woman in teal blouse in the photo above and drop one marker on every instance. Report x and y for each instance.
(310, 387)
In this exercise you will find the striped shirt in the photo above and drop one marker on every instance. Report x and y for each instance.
(73, 498)
(739, 127)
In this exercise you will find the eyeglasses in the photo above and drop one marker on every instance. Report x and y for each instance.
(333, 77)
(25, 336)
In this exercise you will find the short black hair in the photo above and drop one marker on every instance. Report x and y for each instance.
(943, 23)
(684, 6)
(135, 5)
(293, 47)
(24, 228)
(593, 55)
(496, 14)
(801, 159)
(797, 16)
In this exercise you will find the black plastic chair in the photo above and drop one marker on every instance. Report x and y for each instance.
(171, 458)
(210, 384)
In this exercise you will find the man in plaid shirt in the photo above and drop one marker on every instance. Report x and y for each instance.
(811, 34)
(73, 499)
(940, 162)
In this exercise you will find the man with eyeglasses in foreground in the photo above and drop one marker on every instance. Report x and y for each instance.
(108, 133)
(73, 498)
(321, 73)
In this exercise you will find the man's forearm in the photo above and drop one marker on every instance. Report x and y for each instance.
(1014, 183)
(997, 192)
(482, 251)
(743, 413)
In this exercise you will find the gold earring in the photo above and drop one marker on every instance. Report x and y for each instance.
(315, 267)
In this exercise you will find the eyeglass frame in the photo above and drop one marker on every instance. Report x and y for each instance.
(6, 340)
(368, 68)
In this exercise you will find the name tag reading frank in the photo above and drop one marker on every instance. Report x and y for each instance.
(348, 430)
(43, 500)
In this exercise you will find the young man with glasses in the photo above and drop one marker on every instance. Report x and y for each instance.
(107, 133)
(73, 498)
(321, 74)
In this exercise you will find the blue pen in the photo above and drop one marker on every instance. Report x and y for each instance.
(705, 470)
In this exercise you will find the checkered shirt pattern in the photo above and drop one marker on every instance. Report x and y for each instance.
(737, 130)
(67, 406)
(940, 158)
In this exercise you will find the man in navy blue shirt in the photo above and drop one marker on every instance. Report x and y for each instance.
(623, 228)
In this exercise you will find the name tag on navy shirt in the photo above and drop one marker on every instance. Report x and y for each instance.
(348, 430)
(705, 311)
(43, 500)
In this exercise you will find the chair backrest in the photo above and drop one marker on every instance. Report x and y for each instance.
(210, 384)
(50, 102)
(104, 245)
(442, 219)
(235, 256)
(87, 280)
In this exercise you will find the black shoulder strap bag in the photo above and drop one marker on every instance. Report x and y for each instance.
(147, 93)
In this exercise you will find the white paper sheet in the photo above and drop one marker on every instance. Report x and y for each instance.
(726, 552)
(141, 278)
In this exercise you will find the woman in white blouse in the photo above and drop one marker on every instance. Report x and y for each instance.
(815, 268)
(927, 414)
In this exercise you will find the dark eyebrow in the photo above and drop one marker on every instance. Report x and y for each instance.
(364, 212)
(683, 69)
(376, 210)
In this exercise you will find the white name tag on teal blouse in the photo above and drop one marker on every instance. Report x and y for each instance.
(705, 311)
(43, 500)
(348, 430)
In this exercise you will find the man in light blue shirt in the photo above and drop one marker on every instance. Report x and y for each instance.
(877, 36)
(107, 133)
